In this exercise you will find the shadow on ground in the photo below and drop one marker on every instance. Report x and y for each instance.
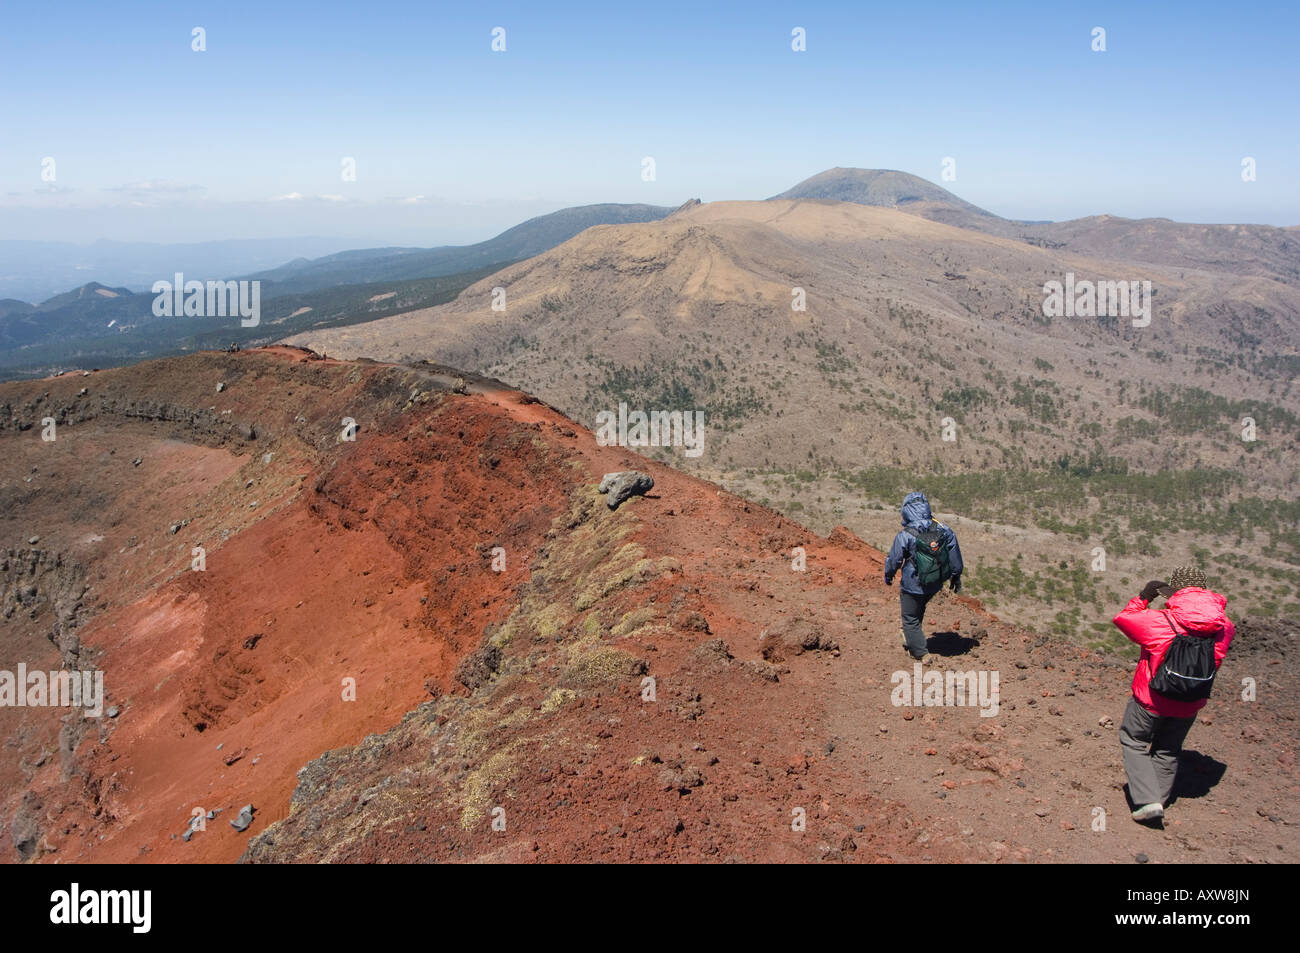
(950, 644)
(1197, 774)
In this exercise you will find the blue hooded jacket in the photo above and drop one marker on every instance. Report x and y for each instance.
(916, 514)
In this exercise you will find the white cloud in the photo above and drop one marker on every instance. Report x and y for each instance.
(157, 186)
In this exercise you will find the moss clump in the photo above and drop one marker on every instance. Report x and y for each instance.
(669, 564)
(557, 700)
(599, 589)
(476, 793)
(539, 624)
(481, 725)
(600, 667)
(651, 630)
(632, 621)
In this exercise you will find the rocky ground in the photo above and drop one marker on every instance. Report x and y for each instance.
(659, 682)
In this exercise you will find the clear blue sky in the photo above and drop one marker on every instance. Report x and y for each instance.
(153, 141)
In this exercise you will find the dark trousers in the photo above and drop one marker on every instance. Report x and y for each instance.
(1151, 744)
(913, 607)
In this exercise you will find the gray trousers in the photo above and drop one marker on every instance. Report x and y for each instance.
(913, 608)
(1151, 744)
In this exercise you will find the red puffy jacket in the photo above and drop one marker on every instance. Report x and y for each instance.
(1198, 612)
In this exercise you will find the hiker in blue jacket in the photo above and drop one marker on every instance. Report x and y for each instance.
(928, 554)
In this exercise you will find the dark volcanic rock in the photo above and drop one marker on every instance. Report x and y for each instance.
(624, 485)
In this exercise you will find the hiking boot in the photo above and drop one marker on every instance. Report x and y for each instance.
(1149, 812)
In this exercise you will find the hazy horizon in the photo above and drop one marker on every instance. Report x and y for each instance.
(453, 142)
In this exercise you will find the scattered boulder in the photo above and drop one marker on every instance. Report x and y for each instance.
(981, 758)
(624, 485)
(713, 652)
(479, 667)
(680, 778)
(243, 819)
(25, 829)
(791, 637)
(695, 621)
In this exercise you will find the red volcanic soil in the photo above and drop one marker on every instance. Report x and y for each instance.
(520, 696)
(229, 679)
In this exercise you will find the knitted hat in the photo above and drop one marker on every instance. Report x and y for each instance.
(1184, 577)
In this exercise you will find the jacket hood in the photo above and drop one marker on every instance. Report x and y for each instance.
(916, 510)
(1198, 610)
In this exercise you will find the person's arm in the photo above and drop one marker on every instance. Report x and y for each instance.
(954, 561)
(1222, 642)
(897, 553)
(1135, 621)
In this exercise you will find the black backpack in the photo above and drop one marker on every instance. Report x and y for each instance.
(930, 555)
(1186, 673)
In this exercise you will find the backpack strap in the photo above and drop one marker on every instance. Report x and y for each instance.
(1181, 630)
(1178, 630)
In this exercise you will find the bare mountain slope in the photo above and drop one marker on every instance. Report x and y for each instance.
(888, 188)
(657, 682)
(1262, 250)
(366, 266)
(1236, 249)
(907, 322)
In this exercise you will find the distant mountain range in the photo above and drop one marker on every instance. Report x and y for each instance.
(37, 270)
(110, 325)
(102, 326)
(887, 188)
(97, 326)
(1243, 249)
(401, 264)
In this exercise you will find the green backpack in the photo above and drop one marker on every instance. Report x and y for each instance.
(930, 555)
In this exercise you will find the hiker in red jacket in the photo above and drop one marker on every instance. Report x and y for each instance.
(1155, 724)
